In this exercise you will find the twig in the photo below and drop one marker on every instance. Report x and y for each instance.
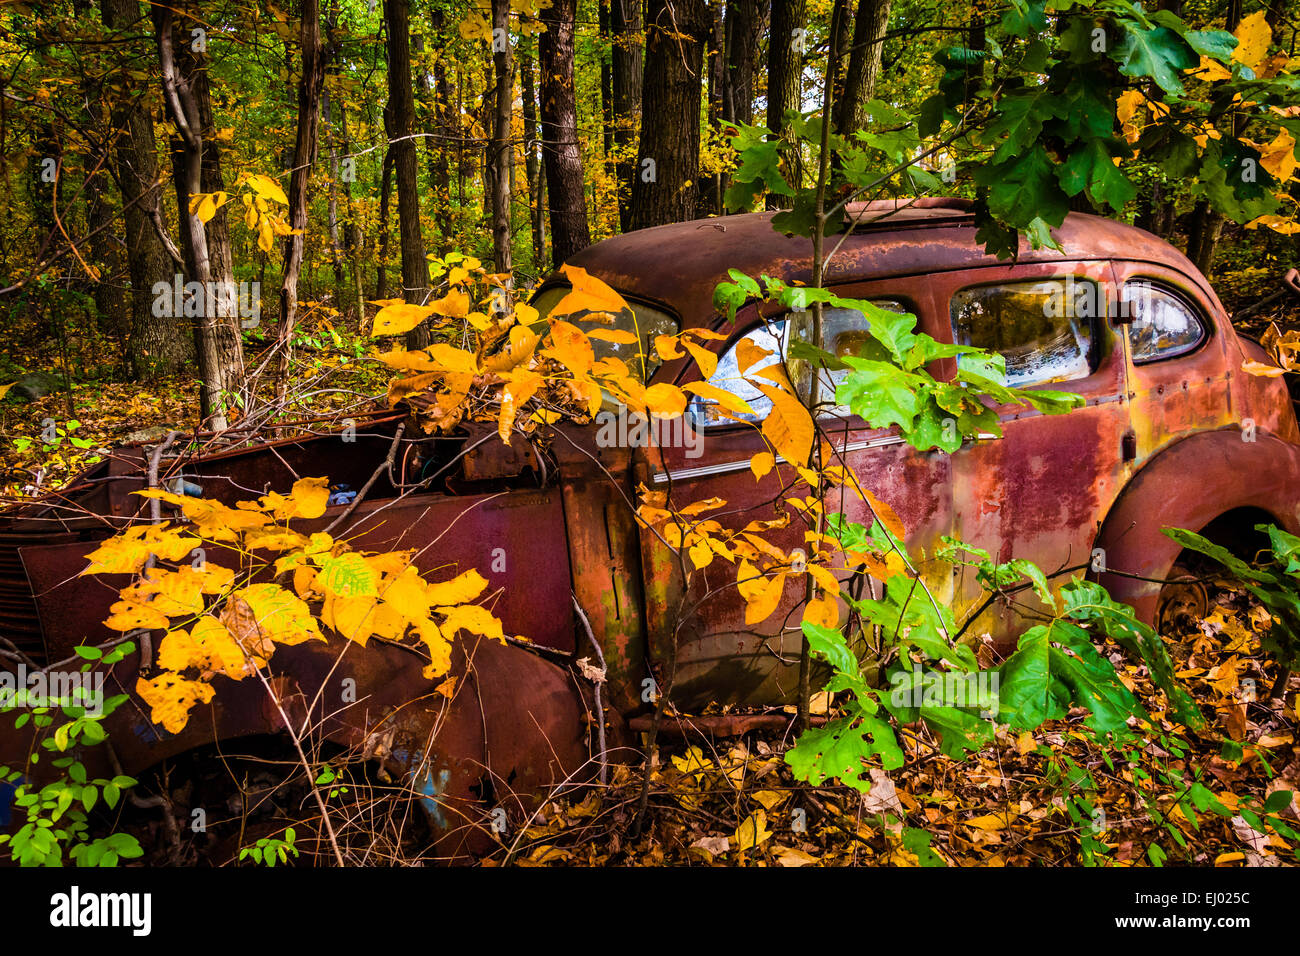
(600, 708)
(385, 466)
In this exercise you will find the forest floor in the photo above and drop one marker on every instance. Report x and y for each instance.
(1055, 796)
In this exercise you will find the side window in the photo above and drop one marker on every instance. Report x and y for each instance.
(844, 332)
(1162, 325)
(1044, 330)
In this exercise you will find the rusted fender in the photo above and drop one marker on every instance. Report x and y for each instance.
(515, 726)
(1188, 485)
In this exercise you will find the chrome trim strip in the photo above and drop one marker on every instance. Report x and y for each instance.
(730, 466)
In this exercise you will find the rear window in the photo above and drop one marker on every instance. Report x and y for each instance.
(641, 320)
(1044, 330)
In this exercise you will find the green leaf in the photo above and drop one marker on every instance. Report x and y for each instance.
(881, 393)
(840, 749)
(1092, 170)
(1158, 53)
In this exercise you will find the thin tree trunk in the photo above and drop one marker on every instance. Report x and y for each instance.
(157, 345)
(665, 189)
(785, 49)
(863, 72)
(532, 172)
(336, 245)
(197, 169)
(625, 86)
(711, 191)
(440, 170)
(744, 28)
(310, 88)
(399, 122)
(570, 233)
(501, 153)
(385, 192)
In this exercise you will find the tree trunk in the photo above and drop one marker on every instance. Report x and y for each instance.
(157, 345)
(785, 49)
(744, 28)
(501, 154)
(665, 189)
(310, 86)
(399, 122)
(440, 168)
(385, 194)
(1207, 225)
(570, 233)
(710, 200)
(869, 25)
(625, 87)
(532, 172)
(336, 245)
(606, 82)
(197, 168)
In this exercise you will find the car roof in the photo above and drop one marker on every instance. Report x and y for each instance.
(679, 265)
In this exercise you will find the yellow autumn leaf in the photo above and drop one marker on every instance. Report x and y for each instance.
(416, 361)
(701, 554)
(207, 646)
(752, 831)
(265, 235)
(453, 305)
(128, 616)
(571, 348)
(174, 592)
(728, 401)
(1253, 37)
(666, 347)
(127, 553)
(665, 401)
(824, 578)
(267, 188)
(765, 598)
(1278, 157)
(888, 517)
(1279, 224)
(307, 499)
(1262, 369)
(588, 294)
(788, 427)
(749, 353)
(706, 360)
(823, 611)
(451, 359)
(761, 464)
(171, 697)
(791, 857)
(438, 646)
(472, 618)
(400, 318)
(352, 617)
(618, 336)
(459, 590)
(282, 617)
(203, 206)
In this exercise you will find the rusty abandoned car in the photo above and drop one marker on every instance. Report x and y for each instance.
(1173, 432)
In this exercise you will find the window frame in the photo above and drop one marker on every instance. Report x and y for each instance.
(1189, 302)
(1100, 323)
(910, 306)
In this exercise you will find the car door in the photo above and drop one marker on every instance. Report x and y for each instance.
(717, 654)
(1178, 368)
(1041, 490)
